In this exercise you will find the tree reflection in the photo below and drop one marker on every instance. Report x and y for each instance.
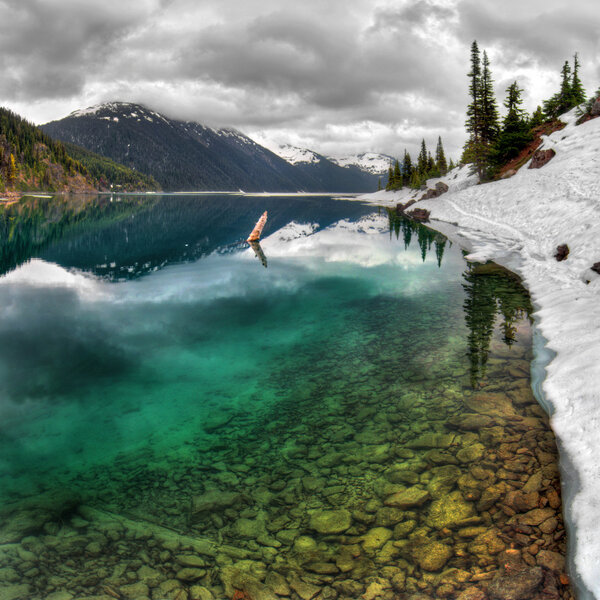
(401, 225)
(492, 293)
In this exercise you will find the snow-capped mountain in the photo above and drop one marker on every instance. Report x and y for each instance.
(185, 155)
(295, 155)
(369, 162)
(324, 170)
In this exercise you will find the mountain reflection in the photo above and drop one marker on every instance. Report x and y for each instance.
(136, 235)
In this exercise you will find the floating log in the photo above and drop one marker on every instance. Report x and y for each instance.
(255, 235)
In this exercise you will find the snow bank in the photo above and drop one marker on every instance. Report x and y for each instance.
(528, 216)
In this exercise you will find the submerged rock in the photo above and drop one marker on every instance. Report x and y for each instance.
(409, 498)
(449, 511)
(518, 585)
(331, 521)
(433, 556)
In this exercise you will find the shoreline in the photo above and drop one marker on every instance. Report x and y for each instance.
(519, 222)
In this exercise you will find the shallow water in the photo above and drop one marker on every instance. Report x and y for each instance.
(354, 420)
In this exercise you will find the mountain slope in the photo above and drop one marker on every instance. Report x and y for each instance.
(31, 160)
(189, 156)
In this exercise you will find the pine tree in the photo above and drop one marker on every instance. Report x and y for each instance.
(379, 184)
(562, 101)
(415, 180)
(473, 123)
(430, 165)
(578, 95)
(388, 185)
(489, 117)
(451, 165)
(482, 114)
(407, 169)
(537, 118)
(422, 160)
(440, 158)
(515, 133)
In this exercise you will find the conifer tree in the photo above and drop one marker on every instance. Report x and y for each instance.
(515, 133)
(415, 180)
(422, 160)
(451, 165)
(431, 166)
(482, 114)
(578, 95)
(489, 110)
(537, 118)
(379, 184)
(440, 158)
(407, 169)
(388, 185)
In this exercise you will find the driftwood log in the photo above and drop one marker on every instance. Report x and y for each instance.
(255, 235)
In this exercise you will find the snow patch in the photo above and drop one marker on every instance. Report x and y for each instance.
(295, 155)
(370, 162)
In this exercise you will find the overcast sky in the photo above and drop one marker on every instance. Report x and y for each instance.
(335, 76)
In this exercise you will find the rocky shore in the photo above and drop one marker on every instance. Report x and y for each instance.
(404, 476)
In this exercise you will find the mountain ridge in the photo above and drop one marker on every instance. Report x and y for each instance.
(190, 156)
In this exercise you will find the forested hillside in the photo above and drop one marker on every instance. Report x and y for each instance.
(31, 160)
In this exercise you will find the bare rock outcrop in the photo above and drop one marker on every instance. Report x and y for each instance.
(541, 157)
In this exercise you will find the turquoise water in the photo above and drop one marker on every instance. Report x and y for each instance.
(149, 360)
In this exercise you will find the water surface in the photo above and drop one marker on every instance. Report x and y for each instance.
(354, 420)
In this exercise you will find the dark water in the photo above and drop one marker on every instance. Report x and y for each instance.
(178, 420)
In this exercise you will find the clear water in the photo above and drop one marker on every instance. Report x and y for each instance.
(148, 359)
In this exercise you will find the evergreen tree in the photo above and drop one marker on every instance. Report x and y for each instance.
(482, 113)
(489, 111)
(451, 165)
(473, 123)
(562, 101)
(379, 184)
(407, 169)
(423, 160)
(578, 95)
(440, 158)
(431, 166)
(515, 134)
(537, 118)
(415, 180)
(390, 178)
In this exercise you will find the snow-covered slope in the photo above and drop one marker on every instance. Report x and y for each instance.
(295, 155)
(521, 221)
(370, 162)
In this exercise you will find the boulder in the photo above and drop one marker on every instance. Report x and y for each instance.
(419, 214)
(595, 112)
(541, 157)
(596, 268)
(562, 252)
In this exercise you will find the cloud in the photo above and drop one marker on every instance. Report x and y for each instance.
(331, 74)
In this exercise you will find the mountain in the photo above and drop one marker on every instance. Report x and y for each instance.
(323, 170)
(184, 155)
(31, 160)
(369, 162)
